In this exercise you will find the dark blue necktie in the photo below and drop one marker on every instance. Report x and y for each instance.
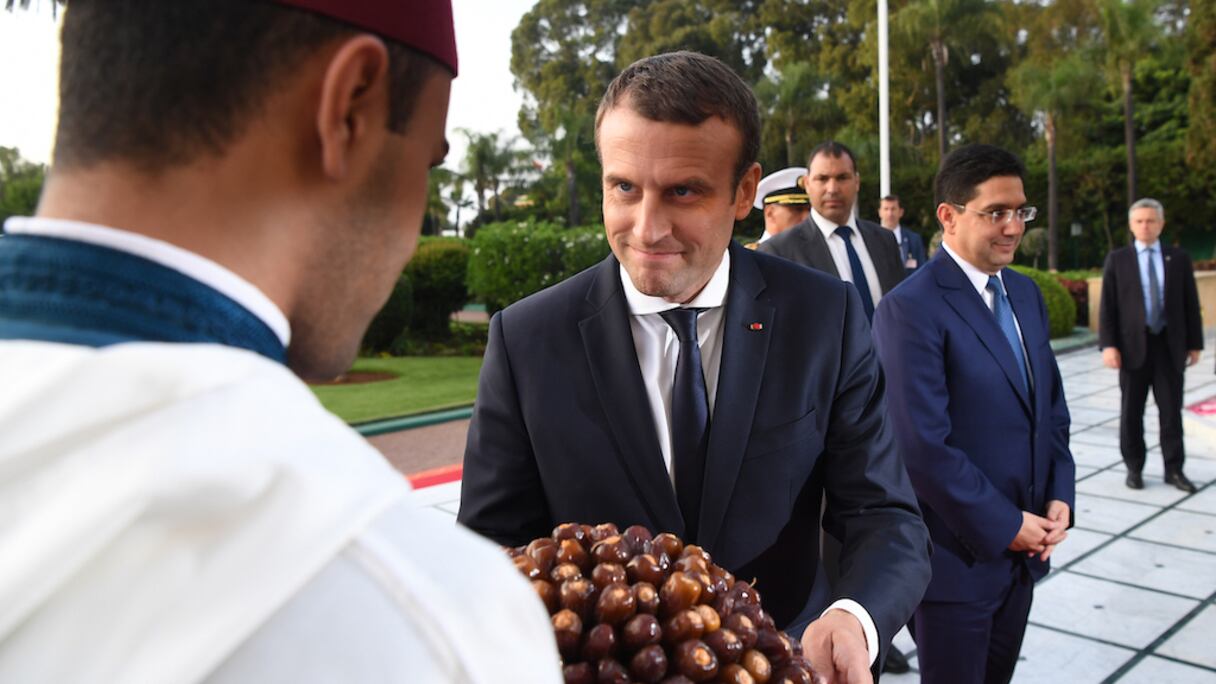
(1004, 318)
(689, 418)
(859, 274)
(1156, 321)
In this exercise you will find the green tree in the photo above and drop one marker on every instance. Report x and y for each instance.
(1129, 32)
(941, 25)
(1053, 90)
(719, 28)
(1201, 103)
(488, 158)
(20, 184)
(795, 103)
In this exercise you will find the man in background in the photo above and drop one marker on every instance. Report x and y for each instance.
(833, 239)
(911, 246)
(783, 200)
(978, 409)
(1150, 328)
(236, 187)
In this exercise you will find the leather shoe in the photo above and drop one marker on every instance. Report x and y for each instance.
(895, 662)
(1181, 482)
(1135, 481)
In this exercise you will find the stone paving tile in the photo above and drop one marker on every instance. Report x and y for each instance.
(1193, 643)
(1203, 502)
(1093, 455)
(1153, 670)
(1112, 516)
(1092, 416)
(1180, 528)
(1094, 437)
(1200, 470)
(1080, 542)
(1110, 401)
(1049, 657)
(1109, 611)
(1152, 566)
(1112, 483)
(439, 494)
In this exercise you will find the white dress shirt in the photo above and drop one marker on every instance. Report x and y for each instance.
(187, 263)
(658, 351)
(840, 254)
(979, 280)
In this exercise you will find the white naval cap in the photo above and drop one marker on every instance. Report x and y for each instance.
(782, 187)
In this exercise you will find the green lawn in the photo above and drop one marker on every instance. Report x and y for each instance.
(424, 383)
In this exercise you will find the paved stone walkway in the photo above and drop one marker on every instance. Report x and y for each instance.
(1132, 596)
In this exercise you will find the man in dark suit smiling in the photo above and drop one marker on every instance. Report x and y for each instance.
(978, 410)
(691, 385)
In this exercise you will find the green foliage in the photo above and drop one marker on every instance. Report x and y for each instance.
(437, 275)
(510, 261)
(1061, 309)
(388, 328)
(20, 184)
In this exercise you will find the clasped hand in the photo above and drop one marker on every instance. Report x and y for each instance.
(1039, 534)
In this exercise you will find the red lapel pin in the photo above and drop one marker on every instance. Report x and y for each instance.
(755, 326)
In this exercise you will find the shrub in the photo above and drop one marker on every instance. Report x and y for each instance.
(510, 261)
(387, 328)
(1061, 309)
(437, 275)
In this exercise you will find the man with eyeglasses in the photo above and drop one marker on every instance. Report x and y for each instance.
(978, 409)
(1150, 328)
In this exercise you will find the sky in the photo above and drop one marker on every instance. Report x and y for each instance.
(483, 98)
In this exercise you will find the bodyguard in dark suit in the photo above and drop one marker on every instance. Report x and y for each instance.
(832, 240)
(1150, 329)
(691, 385)
(911, 245)
(978, 409)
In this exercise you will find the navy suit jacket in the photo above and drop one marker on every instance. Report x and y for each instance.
(979, 448)
(911, 245)
(562, 431)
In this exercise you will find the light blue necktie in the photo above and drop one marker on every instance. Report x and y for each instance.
(1004, 318)
(1156, 321)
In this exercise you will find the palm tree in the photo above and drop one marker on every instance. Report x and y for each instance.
(566, 146)
(797, 100)
(457, 198)
(1128, 31)
(1053, 90)
(938, 24)
(486, 160)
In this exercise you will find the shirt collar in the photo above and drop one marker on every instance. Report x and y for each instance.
(979, 279)
(711, 296)
(1140, 246)
(828, 226)
(171, 256)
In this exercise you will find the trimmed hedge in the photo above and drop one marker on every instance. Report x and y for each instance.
(510, 261)
(387, 329)
(437, 274)
(1061, 309)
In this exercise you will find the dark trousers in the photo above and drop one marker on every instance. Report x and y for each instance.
(1159, 373)
(970, 643)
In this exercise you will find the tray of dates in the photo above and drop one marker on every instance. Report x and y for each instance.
(629, 607)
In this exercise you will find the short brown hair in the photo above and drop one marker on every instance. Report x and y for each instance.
(687, 87)
(158, 83)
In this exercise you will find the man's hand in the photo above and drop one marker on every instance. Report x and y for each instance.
(1033, 536)
(1192, 357)
(836, 646)
(1112, 358)
(1057, 512)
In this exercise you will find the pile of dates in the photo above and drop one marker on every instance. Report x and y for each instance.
(629, 607)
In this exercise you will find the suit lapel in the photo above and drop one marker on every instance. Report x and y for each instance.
(879, 251)
(744, 352)
(815, 247)
(968, 304)
(608, 342)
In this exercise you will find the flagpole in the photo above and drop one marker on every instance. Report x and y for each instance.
(884, 104)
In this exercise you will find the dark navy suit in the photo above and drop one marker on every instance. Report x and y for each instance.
(562, 431)
(911, 246)
(979, 447)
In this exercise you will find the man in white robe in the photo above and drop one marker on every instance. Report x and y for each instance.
(236, 186)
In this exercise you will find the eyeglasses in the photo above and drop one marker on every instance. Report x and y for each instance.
(1002, 216)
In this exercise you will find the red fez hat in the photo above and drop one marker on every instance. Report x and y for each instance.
(425, 25)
